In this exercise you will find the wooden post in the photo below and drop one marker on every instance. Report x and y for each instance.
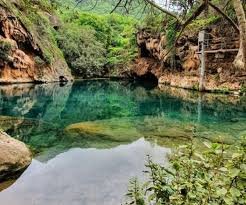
(201, 45)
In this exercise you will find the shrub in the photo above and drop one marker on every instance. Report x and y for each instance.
(84, 54)
(99, 24)
(123, 47)
(112, 41)
(216, 176)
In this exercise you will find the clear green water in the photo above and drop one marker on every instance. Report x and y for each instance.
(90, 137)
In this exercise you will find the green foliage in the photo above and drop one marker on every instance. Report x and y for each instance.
(113, 33)
(135, 193)
(243, 88)
(94, 6)
(201, 23)
(99, 24)
(171, 32)
(154, 22)
(215, 176)
(104, 7)
(41, 5)
(106, 40)
(5, 50)
(84, 54)
(122, 48)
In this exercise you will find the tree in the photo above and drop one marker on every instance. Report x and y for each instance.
(214, 175)
(188, 5)
(240, 60)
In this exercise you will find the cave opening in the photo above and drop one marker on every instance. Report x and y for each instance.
(143, 51)
(148, 80)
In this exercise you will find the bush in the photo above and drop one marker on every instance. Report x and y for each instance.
(84, 54)
(99, 24)
(111, 42)
(123, 47)
(216, 176)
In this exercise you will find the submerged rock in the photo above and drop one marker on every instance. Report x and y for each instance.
(116, 129)
(14, 156)
(152, 128)
(127, 129)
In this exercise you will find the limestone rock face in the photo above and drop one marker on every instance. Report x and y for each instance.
(181, 68)
(14, 156)
(154, 55)
(156, 46)
(27, 54)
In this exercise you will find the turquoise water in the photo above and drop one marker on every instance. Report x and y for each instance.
(90, 137)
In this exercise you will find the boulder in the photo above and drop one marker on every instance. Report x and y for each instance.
(116, 129)
(15, 157)
(167, 131)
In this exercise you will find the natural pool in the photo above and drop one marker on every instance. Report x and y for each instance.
(90, 137)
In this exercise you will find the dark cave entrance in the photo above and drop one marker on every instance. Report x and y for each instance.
(143, 51)
(148, 80)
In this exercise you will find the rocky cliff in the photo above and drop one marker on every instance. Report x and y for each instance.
(180, 68)
(28, 50)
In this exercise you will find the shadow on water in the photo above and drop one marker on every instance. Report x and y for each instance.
(88, 118)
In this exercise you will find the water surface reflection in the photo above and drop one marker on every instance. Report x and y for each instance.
(90, 137)
(82, 176)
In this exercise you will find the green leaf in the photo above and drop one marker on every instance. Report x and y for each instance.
(243, 167)
(236, 155)
(223, 169)
(199, 156)
(235, 192)
(151, 197)
(221, 192)
(228, 201)
(192, 195)
(234, 172)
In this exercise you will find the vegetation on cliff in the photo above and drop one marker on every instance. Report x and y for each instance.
(35, 17)
(103, 44)
(28, 32)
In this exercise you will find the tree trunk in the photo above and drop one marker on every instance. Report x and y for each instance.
(240, 60)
